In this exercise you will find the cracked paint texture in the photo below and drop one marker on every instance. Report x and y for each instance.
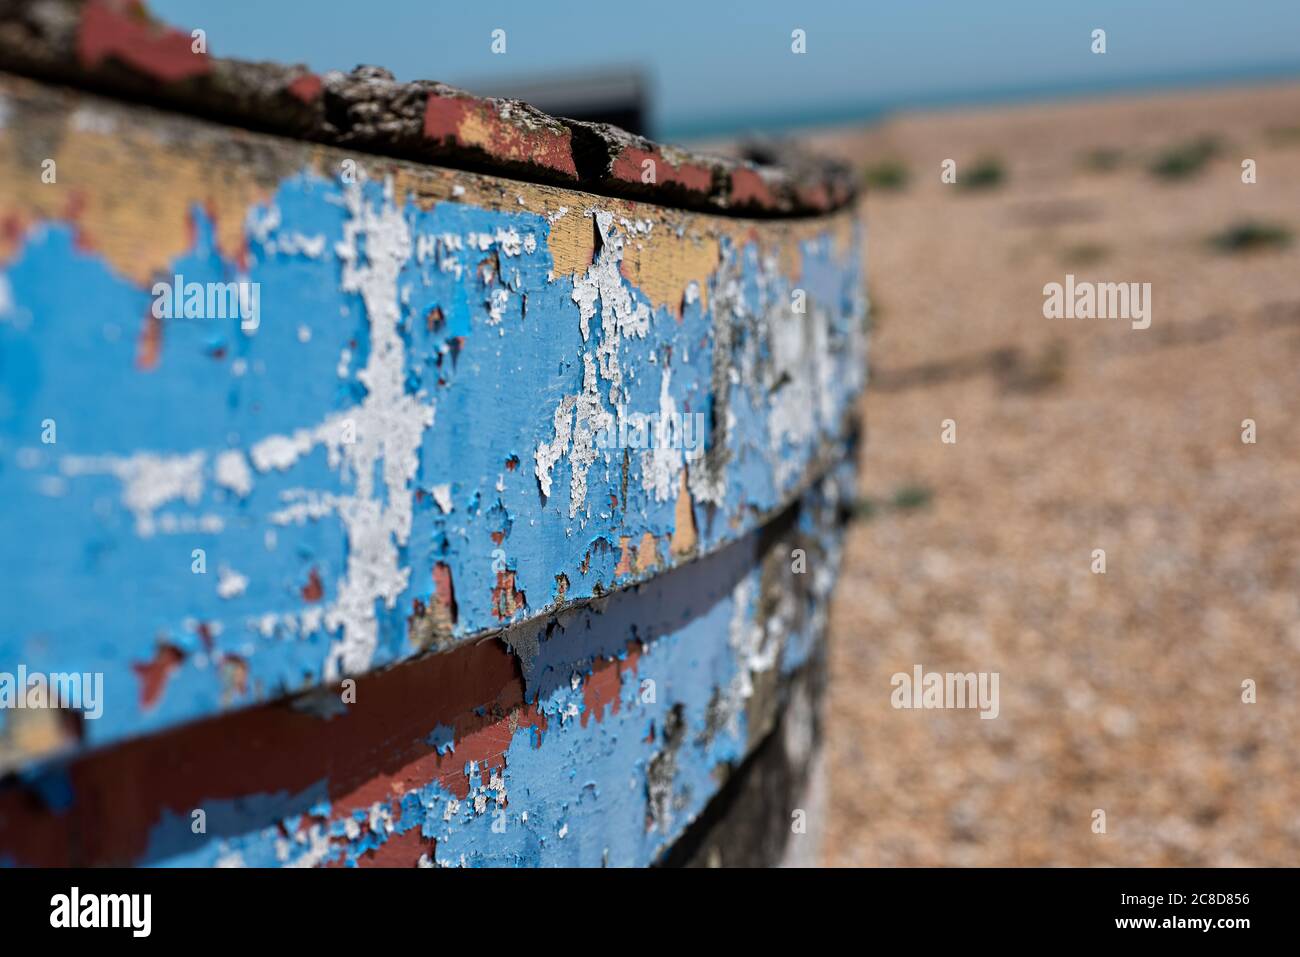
(236, 443)
(405, 452)
(611, 729)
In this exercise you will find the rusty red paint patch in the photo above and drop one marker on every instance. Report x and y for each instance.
(506, 599)
(626, 556)
(445, 589)
(748, 187)
(314, 590)
(13, 229)
(400, 850)
(149, 346)
(121, 30)
(629, 166)
(603, 685)
(75, 205)
(465, 122)
(815, 197)
(153, 674)
(443, 116)
(270, 748)
(307, 87)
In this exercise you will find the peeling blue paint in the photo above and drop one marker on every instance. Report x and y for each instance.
(97, 560)
(579, 792)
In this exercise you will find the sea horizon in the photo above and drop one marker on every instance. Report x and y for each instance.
(855, 113)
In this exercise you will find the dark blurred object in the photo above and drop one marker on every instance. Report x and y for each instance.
(618, 97)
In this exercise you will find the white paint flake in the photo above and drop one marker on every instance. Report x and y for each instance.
(661, 464)
(389, 426)
(548, 453)
(379, 438)
(754, 647)
(296, 244)
(232, 472)
(497, 306)
(280, 452)
(442, 496)
(318, 848)
(620, 314)
(230, 583)
(510, 241)
(230, 858)
(148, 480)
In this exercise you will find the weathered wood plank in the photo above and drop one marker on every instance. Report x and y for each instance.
(113, 47)
(610, 739)
(395, 512)
(430, 431)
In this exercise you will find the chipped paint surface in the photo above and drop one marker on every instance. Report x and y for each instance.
(411, 451)
(380, 445)
(594, 739)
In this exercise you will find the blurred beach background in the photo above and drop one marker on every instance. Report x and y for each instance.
(1119, 691)
(1122, 691)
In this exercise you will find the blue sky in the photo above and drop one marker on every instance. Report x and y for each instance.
(716, 64)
